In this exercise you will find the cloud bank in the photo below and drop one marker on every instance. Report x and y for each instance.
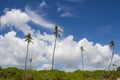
(67, 55)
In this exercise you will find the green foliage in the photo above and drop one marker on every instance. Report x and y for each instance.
(118, 69)
(12, 73)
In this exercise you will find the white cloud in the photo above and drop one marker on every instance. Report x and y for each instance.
(45, 67)
(65, 11)
(6, 9)
(43, 4)
(13, 49)
(38, 19)
(10, 54)
(67, 52)
(16, 18)
(59, 9)
(43, 8)
(67, 14)
(19, 20)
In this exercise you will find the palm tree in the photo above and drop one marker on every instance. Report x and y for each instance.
(28, 38)
(112, 44)
(30, 63)
(82, 49)
(57, 34)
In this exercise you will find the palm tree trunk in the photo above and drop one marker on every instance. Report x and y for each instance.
(30, 65)
(53, 54)
(26, 56)
(111, 58)
(82, 62)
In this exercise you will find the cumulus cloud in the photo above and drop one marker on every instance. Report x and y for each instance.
(9, 54)
(67, 55)
(16, 18)
(13, 50)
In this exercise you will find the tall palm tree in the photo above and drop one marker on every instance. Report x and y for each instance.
(112, 44)
(57, 34)
(82, 49)
(28, 38)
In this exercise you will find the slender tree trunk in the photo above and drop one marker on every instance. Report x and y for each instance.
(82, 62)
(30, 65)
(26, 56)
(53, 54)
(111, 58)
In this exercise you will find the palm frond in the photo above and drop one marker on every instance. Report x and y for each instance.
(112, 43)
(81, 48)
(57, 32)
(28, 38)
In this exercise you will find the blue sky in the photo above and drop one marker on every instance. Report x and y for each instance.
(97, 21)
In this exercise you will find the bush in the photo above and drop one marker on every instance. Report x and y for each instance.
(18, 74)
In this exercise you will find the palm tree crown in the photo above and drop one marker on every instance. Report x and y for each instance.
(28, 38)
(57, 32)
(112, 43)
(81, 48)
